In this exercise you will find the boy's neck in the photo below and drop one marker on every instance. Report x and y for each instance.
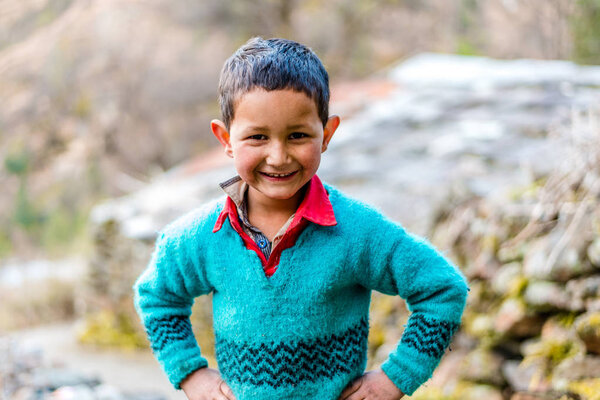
(269, 214)
(258, 203)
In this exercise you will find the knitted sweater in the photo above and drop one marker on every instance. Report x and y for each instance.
(302, 333)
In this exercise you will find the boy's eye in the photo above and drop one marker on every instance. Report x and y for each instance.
(257, 137)
(298, 135)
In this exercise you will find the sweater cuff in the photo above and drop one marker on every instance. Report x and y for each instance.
(421, 348)
(175, 347)
(181, 363)
(178, 369)
(405, 372)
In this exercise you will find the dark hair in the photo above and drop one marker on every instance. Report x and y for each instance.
(273, 64)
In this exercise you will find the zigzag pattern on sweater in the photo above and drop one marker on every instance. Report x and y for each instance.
(279, 364)
(428, 335)
(166, 330)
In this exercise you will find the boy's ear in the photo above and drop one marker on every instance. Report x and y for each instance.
(222, 134)
(332, 124)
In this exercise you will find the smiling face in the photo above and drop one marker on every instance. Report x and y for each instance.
(276, 139)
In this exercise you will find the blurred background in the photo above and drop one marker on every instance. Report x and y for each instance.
(474, 123)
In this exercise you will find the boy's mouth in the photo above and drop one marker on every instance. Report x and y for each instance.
(278, 176)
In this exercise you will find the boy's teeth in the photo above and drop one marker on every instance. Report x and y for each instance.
(278, 175)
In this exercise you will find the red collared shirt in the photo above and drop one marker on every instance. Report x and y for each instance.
(315, 208)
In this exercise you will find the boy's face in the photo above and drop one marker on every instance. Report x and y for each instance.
(276, 139)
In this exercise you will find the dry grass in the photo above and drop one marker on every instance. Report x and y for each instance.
(35, 304)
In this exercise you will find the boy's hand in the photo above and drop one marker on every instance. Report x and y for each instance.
(373, 385)
(206, 384)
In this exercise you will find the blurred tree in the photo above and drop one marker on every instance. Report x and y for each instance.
(468, 28)
(586, 32)
(25, 213)
(17, 163)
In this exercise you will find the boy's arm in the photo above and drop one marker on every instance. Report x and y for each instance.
(434, 290)
(163, 297)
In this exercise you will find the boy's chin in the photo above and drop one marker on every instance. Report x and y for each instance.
(279, 195)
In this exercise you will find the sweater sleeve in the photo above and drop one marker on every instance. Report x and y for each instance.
(163, 296)
(435, 292)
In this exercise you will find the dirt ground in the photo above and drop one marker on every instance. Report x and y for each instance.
(129, 371)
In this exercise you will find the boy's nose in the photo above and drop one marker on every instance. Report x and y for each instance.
(278, 154)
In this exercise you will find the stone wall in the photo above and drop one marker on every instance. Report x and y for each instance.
(532, 325)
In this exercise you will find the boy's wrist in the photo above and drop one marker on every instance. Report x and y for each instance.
(390, 383)
(206, 383)
(400, 376)
(191, 376)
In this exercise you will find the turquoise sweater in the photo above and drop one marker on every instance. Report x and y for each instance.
(302, 333)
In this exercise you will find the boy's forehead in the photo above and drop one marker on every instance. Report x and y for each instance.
(260, 93)
(260, 106)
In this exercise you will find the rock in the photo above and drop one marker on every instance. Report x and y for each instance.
(484, 266)
(480, 326)
(22, 393)
(54, 378)
(534, 262)
(587, 327)
(575, 369)
(510, 348)
(519, 377)
(108, 392)
(482, 366)
(529, 396)
(556, 329)
(80, 392)
(511, 254)
(548, 353)
(546, 296)
(543, 262)
(144, 396)
(477, 392)
(593, 304)
(587, 388)
(593, 252)
(479, 290)
(507, 278)
(525, 396)
(25, 376)
(584, 293)
(544, 396)
(515, 320)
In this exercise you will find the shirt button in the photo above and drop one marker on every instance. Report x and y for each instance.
(262, 243)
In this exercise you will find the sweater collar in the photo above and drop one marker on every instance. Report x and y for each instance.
(315, 206)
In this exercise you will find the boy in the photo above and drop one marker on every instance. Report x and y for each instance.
(290, 262)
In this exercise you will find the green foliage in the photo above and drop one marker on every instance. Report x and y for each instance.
(566, 319)
(57, 226)
(481, 326)
(83, 106)
(588, 388)
(551, 352)
(529, 191)
(17, 163)
(461, 391)
(25, 213)
(585, 26)
(5, 243)
(94, 177)
(517, 287)
(62, 227)
(465, 48)
(111, 329)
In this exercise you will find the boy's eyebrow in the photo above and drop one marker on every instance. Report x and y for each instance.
(297, 126)
(266, 128)
(256, 129)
